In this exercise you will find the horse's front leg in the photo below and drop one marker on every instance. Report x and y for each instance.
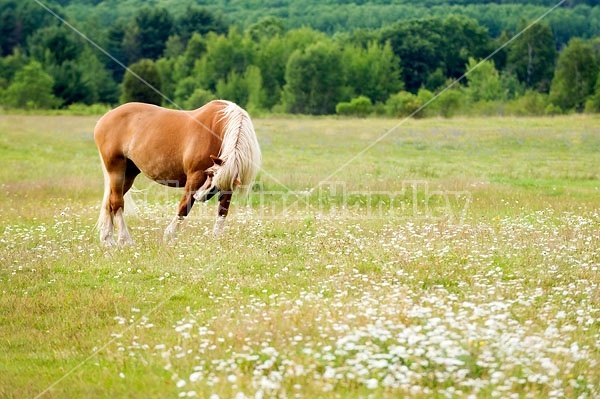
(224, 201)
(193, 184)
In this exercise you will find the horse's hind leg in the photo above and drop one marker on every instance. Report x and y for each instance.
(117, 172)
(131, 173)
(105, 221)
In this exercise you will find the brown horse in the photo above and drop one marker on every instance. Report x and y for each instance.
(174, 148)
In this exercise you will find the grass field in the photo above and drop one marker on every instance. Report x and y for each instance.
(455, 258)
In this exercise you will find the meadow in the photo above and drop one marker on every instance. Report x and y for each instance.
(455, 258)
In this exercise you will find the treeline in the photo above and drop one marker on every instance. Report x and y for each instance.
(575, 18)
(192, 57)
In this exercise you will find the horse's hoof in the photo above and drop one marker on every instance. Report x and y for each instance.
(169, 237)
(126, 242)
(108, 242)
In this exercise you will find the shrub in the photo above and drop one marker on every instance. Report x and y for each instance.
(359, 106)
(448, 103)
(552, 109)
(402, 104)
(530, 103)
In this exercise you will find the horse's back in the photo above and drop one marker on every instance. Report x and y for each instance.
(140, 118)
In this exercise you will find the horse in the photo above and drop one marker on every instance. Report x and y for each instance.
(208, 151)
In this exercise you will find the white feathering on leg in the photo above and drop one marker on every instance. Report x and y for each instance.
(219, 225)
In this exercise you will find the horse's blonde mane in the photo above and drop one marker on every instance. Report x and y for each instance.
(240, 151)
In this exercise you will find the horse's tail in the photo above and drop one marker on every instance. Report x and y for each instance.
(240, 151)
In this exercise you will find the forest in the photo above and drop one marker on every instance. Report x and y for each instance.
(377, 57)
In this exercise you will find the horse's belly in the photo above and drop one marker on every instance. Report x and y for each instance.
(168, 177)
(162, 171)
(178, 183)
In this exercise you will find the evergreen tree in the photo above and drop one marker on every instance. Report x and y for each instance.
(199, 20)
(115, 47)
(146, 90)
(9, 27)
(54, 45)
(69, 84)
(147, 35)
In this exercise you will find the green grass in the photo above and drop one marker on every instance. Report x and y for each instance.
(455, 257)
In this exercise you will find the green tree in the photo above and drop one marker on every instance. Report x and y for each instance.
(199, 20)
(97, 78)
(532, 56)
(272, 55)
(256, 93)
(463, 37)
(69, 84)
(147, 35)
(266, 28)
(31, 88)
(244, 89)
(10, 65)
(54, 45)
(9, 27)
(593, 102)
(198, 98)
(575, 76)
(314, 82)
(114, 46)
(31, 17)
(484, 83)
(373, 72)
(427, 45)
(177, 74)
(185, 89)
(146, 90)
(224, 55)
(415, 43)
(166, 69)
(174, 47)
(271, 58)
(233, 88)
(78, 75)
